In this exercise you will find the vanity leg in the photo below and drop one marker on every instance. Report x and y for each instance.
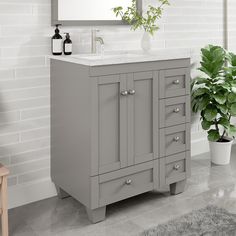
(96, 215)
(177, 188)
(61, 193)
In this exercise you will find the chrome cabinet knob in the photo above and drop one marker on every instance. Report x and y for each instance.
(176, 81)
(176, 139)
(176, 110)
(124, 93)
(176, 167)
(128, 182)
(132, 92)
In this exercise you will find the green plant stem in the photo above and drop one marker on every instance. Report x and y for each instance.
(222, 137)
(216, 124)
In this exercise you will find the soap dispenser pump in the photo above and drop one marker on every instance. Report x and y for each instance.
(57, 42)
(67, 45)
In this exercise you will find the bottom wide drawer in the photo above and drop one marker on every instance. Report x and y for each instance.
(125, 183)
(175, 168)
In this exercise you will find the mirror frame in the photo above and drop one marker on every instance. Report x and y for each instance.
(54, 20)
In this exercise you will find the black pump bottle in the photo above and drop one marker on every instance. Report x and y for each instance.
(57, 42)
(67, 45)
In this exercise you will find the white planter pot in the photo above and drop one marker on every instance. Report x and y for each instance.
(221, 152)
(146, 42)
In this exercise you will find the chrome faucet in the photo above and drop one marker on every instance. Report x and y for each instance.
(94, 40)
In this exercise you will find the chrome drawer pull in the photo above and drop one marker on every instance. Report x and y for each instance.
(132, 92)
(176, 110)
(128, 182)
(176, 139)
(124, 93)
(176, 167)
(176, 81)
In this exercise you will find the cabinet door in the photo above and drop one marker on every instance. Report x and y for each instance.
(142, 117)
(112, 123)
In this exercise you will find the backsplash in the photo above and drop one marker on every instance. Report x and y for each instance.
(25, 33)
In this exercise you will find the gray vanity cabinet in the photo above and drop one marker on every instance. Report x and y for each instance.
(119, 130)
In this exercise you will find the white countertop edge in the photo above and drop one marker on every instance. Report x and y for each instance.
(155, 55)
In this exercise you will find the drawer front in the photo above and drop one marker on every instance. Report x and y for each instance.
(174, 139)
(175, 168)
(123, 184)
(175, 82)
(174, 111)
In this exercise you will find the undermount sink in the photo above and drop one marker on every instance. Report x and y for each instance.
(94, 57)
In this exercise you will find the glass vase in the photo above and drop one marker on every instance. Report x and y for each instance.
(146, 42)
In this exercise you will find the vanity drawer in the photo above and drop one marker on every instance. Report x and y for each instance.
(119, 185)
(174, 139)
(174, 111)
(175, 168)
(174, 82)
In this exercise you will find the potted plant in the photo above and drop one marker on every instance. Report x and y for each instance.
(214, 97)
(146, 21)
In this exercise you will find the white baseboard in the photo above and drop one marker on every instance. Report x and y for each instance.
(199, 146)
(24, 194)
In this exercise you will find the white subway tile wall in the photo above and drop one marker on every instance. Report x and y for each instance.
(232, 25)
(25, 33)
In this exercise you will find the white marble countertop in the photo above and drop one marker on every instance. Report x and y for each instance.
(124, 57)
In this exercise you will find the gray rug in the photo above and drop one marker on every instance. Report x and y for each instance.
(208, 221)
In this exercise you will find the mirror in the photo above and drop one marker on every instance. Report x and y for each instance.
(88, 12)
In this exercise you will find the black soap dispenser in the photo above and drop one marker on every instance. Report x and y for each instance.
(67, 45)
(57, 42)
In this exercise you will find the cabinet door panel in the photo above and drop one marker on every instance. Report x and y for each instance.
(141, 118)
(111, 124)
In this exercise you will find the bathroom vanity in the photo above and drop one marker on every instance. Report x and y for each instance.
(120, 126)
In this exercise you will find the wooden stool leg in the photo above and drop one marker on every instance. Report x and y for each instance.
(4, 205)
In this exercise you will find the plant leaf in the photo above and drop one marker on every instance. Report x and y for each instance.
(232, 59)
(203, 102)
(213, 135)
(232, 97)
(220, 98)
(213, 59)
(224, 122)
(210, 113)
(223, 108)
(201, 80)
(200, 91)
(233, 109)
(206, 124)
(231, 130)
(225, 86)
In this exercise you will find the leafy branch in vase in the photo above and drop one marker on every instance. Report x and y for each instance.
(139, 20)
